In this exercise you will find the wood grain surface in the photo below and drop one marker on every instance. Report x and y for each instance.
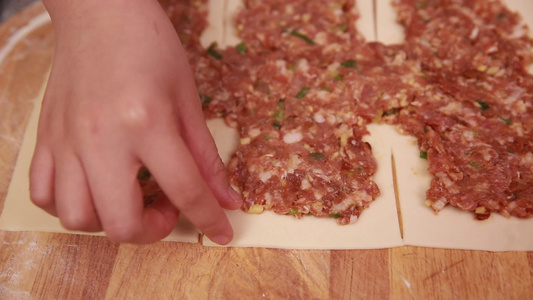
(36, 265)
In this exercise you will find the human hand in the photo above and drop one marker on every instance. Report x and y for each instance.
(121, 96)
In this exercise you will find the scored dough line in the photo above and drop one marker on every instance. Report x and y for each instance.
(397, 193)
(375, 17)
(225, 26)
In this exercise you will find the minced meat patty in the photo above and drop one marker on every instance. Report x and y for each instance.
(472, 116)
(303, 85)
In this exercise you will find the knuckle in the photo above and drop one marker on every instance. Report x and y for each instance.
(217, 179)
(78, 222)
(213, 168)
(40, 185)
(216, 166)
(40, 198)
(136, 113)
(87, 128)
(140, 112)
(121, 232)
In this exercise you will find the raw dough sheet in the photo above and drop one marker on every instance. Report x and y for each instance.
(378, 226)
(451, 228)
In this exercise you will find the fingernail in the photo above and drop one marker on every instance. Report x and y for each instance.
(235, 197)
(221, 239)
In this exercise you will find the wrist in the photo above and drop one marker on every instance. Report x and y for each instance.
(83, 14)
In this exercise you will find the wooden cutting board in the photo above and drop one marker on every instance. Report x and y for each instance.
(35, 265)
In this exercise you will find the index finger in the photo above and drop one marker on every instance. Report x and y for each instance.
(176, 172)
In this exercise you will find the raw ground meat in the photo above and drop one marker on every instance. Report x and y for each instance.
(303, 85)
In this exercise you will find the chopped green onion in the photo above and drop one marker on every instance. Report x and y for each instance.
(317, 156)
(293, 211)
(276, 125)
(421, 5)
(510, 151)
(390, 112)
(241, 48)
(506, 121)
(336, 215)
(349, 173)
(349, 63)
(338, 77)
(301, 94)
(483, 105)
(423, 154)
(280, 113)
(213, 52)
(205, 99)
(302, 36)
(343, 27)
(475, 165)
(380, 96)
